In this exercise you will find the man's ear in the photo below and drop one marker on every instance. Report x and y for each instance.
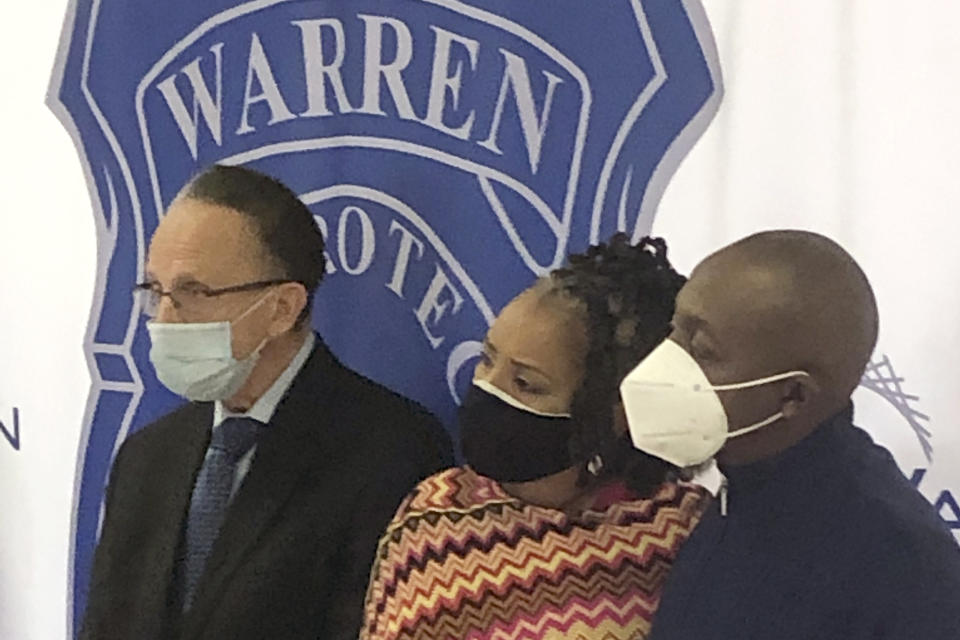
(798, 394)
(291, 300)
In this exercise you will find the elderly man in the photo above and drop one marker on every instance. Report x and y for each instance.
(253, 511)
(816, 533)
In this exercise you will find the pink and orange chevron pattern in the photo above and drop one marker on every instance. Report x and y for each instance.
(463, 560)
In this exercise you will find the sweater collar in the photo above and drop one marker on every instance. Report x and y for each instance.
(818, 449)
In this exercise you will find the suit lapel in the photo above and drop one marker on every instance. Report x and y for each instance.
(299, 431)
(183, 454)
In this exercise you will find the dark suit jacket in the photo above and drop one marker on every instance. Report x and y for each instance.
(294, 554)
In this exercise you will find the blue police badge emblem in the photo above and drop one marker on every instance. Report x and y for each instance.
(451, 152)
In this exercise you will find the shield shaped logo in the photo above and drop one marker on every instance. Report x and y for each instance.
(451, 152)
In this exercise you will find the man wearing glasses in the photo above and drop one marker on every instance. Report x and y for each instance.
(253, 511)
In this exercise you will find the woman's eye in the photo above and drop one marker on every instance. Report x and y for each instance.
(527, 387)
(485, 360)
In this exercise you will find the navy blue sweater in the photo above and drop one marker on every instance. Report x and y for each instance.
(826, 541)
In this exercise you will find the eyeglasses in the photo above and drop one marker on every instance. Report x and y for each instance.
(190, 298)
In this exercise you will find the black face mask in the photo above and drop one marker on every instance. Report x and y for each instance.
(509, 444)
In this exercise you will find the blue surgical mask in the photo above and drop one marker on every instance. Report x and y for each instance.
(195, 360)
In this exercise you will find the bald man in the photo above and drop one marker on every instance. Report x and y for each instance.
(816, 534)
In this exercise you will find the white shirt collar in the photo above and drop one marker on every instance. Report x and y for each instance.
(709, 476)
(263, 409)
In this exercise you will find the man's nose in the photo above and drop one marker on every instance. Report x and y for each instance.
(166, 311)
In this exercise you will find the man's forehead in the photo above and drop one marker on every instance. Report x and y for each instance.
(188, 217)
(202, 238)
(730, 292)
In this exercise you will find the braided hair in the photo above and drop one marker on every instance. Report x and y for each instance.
(625, 296)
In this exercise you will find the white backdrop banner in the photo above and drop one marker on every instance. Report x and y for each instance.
(839, 116)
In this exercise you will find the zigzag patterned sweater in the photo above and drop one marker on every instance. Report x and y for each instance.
(463, 560)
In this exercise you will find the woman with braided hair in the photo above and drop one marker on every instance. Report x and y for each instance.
(556, 527)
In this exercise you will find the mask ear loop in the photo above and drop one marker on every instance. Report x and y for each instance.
(754, 427)
(753, 383)
(250, 309)
(256, 352)
(757, 383)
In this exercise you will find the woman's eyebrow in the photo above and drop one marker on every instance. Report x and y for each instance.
(531, 367)
(491, 349)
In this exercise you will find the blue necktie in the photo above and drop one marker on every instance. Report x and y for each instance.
(233, 438)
